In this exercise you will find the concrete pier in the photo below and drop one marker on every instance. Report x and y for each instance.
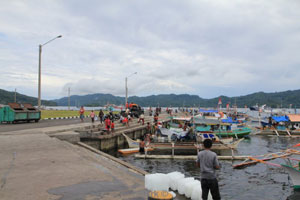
(97, 137)
(52, 163)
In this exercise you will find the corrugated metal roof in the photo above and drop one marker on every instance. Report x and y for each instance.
(294, 117)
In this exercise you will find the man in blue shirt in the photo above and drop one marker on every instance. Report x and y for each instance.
(208, 163)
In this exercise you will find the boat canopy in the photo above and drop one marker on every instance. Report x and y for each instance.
(280, 118)
(228, 120)
(207, 111)
(294, 117)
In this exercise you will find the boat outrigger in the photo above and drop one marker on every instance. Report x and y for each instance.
(293, 170)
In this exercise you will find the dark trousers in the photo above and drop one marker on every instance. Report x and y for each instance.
(213, 186)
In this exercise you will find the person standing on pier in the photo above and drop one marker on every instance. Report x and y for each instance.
(141, 118)
(112, 126)
(81, 113)
(101, 115)
(155, 118)
(92, 115)
(107, 124)
(208, 163)
(148, 128)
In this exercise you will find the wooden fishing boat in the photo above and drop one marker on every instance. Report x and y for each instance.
(131, 143)
(202, 136)
(281, 125)
(238, 133)
(193, 145)
(182, 145)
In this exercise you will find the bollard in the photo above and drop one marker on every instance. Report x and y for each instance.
(160, 195)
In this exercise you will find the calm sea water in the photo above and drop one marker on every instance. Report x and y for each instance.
(253, 182)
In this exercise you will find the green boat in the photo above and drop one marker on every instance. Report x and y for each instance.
(223, 131)
(237, 133)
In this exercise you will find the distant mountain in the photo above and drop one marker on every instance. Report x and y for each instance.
(90, 100)
(8, 97)
(274, 100)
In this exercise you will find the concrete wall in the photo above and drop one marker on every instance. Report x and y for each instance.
(110, 142)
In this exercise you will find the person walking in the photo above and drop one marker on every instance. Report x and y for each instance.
(101, 116)
(92, 115)
(208, 163)
(81, 113)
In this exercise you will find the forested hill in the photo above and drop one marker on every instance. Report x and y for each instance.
(9, 97)
(166, 100)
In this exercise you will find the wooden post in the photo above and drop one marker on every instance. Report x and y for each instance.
(172, 149)
(276, 132)
(145, 153)
(288, 132)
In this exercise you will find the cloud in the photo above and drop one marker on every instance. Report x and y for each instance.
(199, 47)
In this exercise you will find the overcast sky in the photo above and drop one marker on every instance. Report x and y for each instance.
(203, 47)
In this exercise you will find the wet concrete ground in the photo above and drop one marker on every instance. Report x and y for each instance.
(4, 127)
(35, 166)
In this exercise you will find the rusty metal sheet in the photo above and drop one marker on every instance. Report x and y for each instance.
(15, 106)
(29, 106)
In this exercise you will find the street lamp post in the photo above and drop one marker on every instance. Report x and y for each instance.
(126, 88)
(40, 63)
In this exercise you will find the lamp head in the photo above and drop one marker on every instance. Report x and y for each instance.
(59, 36)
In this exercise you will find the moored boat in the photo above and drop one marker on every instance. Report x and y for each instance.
(224, 130)
(193, 145)
(281, 125)
(133, 150)
(131, 143)
(237, 133)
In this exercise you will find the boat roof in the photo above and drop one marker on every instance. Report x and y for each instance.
(207, 111)
(294, 117)
(280, 118)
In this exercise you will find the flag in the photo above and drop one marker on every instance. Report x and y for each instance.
(220, 102)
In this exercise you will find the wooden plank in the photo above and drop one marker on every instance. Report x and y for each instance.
(276, 132)
(288, 132)
(193, 157)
